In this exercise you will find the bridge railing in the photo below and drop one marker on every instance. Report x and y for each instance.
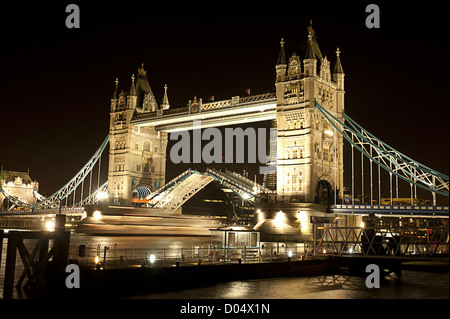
(413, 210)
(395, 207)
(379, 241)
(119, 256)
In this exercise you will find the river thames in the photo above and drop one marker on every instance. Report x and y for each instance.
(411, 285)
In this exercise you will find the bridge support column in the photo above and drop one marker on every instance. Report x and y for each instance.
(62, 239)
(10, 265)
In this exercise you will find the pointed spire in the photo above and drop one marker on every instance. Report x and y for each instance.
(165, 102)
(313, 50)
(338, 66)
(133, 87)
(116, 89)
(310, 49)
(282, 55)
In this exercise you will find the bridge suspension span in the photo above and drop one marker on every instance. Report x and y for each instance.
(388, 158)
(69, 189)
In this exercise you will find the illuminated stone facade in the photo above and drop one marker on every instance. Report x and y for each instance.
(309, 154)
(18, 184)
(310, 166)
(137, 156)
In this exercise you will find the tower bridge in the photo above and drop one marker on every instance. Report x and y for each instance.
(308, 111)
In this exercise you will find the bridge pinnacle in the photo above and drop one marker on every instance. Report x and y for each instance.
(133, 87)
(338, 66)
(165, 102)
(116, 89)
(141, 71)
(282, 55)
(310, 29)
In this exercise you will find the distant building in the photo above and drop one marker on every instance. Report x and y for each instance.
(18, 184)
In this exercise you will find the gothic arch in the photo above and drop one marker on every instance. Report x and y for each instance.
(142, 191)
(324, 191)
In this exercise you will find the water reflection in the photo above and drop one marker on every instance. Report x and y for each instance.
(412, 285)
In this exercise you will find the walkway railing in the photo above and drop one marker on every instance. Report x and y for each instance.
(114, 257)
(394, 210)
(395, 241)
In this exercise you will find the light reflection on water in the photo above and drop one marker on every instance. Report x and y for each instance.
(412, 285)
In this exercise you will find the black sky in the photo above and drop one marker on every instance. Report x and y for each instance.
(56, 83)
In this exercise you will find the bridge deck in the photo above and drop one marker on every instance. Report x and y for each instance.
(213, 114)
(392, 210)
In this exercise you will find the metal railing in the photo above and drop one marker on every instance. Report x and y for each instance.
(115, 257)
(395, 241)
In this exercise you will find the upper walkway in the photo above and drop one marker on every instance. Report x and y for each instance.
(236, 110)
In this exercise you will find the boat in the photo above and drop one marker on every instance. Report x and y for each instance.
(130, 220)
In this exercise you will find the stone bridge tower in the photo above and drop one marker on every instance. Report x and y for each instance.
(310, 165)
(137, 155)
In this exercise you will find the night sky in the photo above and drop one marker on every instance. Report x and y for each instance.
(56, 83)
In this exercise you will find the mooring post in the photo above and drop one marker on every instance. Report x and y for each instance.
(104, 257)
(2, 232)
(10, 265)
(314, 236)
(43, 245)
(61, 242)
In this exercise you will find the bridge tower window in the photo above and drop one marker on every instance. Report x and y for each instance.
(146, 146)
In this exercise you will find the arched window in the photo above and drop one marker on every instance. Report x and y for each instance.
(146, 146)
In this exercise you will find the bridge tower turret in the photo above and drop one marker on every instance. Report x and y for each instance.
(309, 167)
(137, 155)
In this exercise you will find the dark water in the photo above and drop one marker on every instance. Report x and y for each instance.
(411, 285)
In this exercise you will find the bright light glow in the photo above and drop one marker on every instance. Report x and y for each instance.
(328, 132)
(362, 225)
(97, 215)
(289, 253)
(50, 225)
(258, 211)
(302, 217)
(245, 196)
(152, 258)
(102, 195)
(280, 218)
(350, 250)
(96, 259)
